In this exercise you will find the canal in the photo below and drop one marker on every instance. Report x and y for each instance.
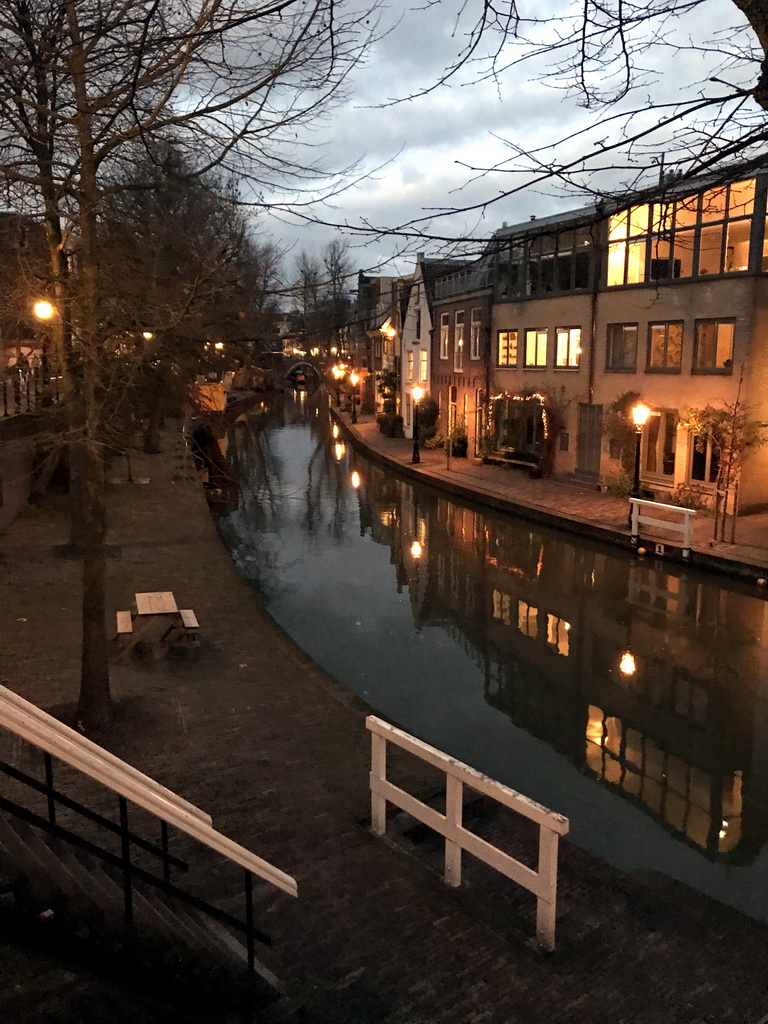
(628, 694)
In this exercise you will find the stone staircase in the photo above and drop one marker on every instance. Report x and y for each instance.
(171, 951)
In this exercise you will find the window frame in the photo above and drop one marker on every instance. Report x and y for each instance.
(510, 363)
(409, 363)
(423, 366)
(568, 365)
(458, 340)
(666, 368)
(722, 371)
(609, 364)
(475, 323)
(539, 332)
(445, 334)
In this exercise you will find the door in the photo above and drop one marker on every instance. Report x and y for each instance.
(589, 440)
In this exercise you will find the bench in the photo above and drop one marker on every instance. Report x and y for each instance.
(124, 623)
(509, 458)
(189, 618)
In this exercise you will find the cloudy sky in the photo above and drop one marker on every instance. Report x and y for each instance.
(418, 154)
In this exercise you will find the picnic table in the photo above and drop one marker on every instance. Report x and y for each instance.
(156, 621)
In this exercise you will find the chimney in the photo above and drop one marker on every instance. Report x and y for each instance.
(533, 216)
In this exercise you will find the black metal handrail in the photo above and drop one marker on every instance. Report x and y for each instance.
(122, 862)
(55, 797)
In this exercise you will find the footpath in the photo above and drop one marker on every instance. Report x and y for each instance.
(254, 732)
(579, 509)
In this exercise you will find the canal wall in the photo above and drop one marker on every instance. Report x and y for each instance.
(600, 517)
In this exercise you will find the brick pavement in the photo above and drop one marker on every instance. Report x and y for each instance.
(256, 733)
(575, 507)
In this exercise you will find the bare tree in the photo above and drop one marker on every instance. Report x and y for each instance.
(83, 82)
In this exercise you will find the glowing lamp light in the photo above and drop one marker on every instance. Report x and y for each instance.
(338, 451)
(219, 346)
(354, 379)
(418, 393)
(627, 665)
(355, 479)
(43, 309)
(416, 549)
(147, 335)
(335, 430)
(640, 414)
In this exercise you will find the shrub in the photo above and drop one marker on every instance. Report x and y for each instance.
(688, 496)
(618, 486)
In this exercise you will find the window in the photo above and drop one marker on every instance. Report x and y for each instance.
(705, 461)
(665, 349)
(410, 365)
(621, 350)
(660, 444)
(567, 347)
(474, 333)
(535, 348)
(445, 329)
(506, 348)
(407, 410)
(423, 357)
(418, 324)
(697, 235)
(713, 346)
(458, 342)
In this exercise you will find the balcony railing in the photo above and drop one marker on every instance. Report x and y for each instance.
(463, 282)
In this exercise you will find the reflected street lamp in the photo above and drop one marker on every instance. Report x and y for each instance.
(417, 394)
(640, 414)
(353, 380)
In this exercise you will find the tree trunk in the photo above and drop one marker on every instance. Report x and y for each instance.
(95, 700)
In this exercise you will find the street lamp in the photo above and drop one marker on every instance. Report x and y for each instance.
(640, 414)
(353, 379)
(417, 394)
(43, 310)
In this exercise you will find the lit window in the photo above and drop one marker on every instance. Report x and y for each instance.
(621, 352)
(506, 348)
(410, 365)
(423, 357)
(527, 619)
(445, 330)
(535, 348)
(713, 348)
(666, 347)
(458, 342)
(558, 634)
(568, 347)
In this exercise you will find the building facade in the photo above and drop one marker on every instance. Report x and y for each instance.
(664, 303)
(460, 352)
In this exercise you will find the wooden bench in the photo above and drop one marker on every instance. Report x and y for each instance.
(124, 624)
(511, 459)
(189, 618)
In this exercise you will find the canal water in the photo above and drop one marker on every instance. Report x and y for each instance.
(628, 694)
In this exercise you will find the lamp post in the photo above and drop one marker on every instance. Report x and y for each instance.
(353, 380)
(417, 394)
(640, 414)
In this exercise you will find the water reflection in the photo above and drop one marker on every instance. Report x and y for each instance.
(650, 680)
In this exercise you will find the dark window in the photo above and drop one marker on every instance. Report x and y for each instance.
(564, 441)
(621, 353)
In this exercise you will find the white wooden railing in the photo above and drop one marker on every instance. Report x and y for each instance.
(685, 527)
(542, 882)
(37, 727)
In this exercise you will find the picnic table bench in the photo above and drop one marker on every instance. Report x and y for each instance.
(158, 622)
